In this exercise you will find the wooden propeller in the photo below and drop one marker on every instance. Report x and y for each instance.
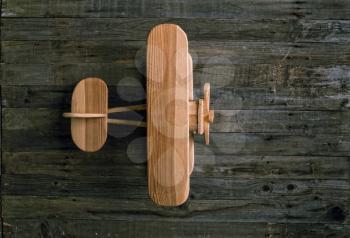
(205, 116)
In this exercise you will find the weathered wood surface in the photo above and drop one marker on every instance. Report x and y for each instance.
(240, 9)
(227, 98)
(292, 209)
(278, 164)
(247, 121)
(229, 52)
(279, 78)
(202, 188)
(245, 143)
(28, 228)
(69, 163)
(204, 29)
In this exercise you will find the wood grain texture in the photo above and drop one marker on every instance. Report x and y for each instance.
(28, 228)
(291, 209)
(332, 96)
(168, 117)
(190, 97)
(89, 96)
(278, 162)
(69, 163)
(205, 29)
(240, 9)
(208, 52)
(329, 191)
(263, 144)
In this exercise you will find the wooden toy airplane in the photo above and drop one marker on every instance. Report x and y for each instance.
(173, 116)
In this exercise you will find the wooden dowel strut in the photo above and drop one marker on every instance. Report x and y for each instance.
(127, 108)
(83, 115)
(127, 122)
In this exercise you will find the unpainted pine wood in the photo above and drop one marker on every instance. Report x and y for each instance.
(75, 163)
(83, 115)
(208, 114)
(240, 9)
(167, 115)
(193, 115)
(140, 107)
(190, 98)
(28, 228)
(230, 52)
(89, 96)
(204, 29)
(289, 210)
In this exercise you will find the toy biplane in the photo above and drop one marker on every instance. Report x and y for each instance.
(173, 116)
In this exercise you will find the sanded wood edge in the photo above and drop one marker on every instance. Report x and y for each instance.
(83, 115)
(190, 98)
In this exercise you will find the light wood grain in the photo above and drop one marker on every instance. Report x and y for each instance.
(127, 122)
(193, 115)
(190, 98)
(127, 108)
(208, 114)
(167, 118)
(83, 115)
(89, 96)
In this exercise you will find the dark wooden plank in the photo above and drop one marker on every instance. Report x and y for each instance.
(61, 140)
(261, 86)
(220, 73)
(248, 121)
(29, 228)
(291, 209)
(71, 73)
(278, 144)
(274, 121)
(280, 99)
(35, 228)
(241, 143)
(202, 188)
(228, 51)
(69, 163)
(226, 98)
(69, 51)
(196, 29)
(330, 78)
(240, 9)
